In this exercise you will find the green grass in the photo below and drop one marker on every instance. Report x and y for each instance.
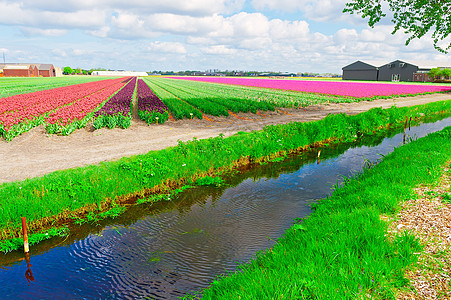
(63, 194)
(342, 251)
(17, 243)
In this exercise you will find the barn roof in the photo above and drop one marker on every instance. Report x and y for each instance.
(39, 66)
(361, 65)
(17, 67)
(44, 66)
(429, 64)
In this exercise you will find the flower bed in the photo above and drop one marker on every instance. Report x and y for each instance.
(117, 111)
(338, 88)
(150, 108)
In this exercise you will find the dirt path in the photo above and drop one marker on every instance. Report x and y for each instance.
(35, 153)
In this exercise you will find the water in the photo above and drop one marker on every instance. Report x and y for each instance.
(167, 250)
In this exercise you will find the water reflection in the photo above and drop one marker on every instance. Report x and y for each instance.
(28, 273)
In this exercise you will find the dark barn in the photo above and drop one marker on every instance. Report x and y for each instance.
(397, 71)
(360, 70)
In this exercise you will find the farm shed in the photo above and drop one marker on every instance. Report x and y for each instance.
(19, 71)
(360, 70)
(46, 70)
(27, 70)
(397, 71)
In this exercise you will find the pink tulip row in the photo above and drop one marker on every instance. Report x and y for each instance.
(338, 88)
(27, 107)
(82, 107)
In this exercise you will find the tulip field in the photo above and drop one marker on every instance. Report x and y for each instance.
(59, 107)
(109, 102)
(361, 90)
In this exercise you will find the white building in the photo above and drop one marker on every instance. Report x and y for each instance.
(118, 73)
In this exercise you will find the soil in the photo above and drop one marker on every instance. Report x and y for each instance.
(35, 153)
(428, 217)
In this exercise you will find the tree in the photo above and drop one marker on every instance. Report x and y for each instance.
(438, 73)
(434, 73)
(415, 17)
(68, 70)
(447, 73)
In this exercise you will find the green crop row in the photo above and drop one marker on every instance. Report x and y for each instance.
(178, 107)
(342, 250)
(210, 93)
(59, 194)
(153, 117)
(203, 104)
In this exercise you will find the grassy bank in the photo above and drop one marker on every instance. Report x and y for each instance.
(66, 195)
(342, 250)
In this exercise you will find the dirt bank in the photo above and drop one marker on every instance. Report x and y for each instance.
(35, 153)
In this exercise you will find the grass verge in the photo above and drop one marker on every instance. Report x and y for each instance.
(62, 195)
(342, 251)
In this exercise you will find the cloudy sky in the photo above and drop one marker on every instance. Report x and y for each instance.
(146, 35)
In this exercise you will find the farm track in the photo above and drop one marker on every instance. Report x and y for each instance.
(35, 154)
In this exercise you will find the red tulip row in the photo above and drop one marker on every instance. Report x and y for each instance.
(80, 108)
(20, 113)
(24, 107)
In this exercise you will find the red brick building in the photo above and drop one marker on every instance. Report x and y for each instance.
(28, 70)
(19, 71)
(46, 70)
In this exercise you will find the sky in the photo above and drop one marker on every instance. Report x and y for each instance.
(177, 35)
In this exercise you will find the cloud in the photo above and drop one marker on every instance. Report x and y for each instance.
(287, 30)
(373, 35)
(102, 32)
(30, 31)
(249, 25)
(82, 52)
(219, 49)
(167, 47)
(15, 13)
(59, 52)
(182, 7)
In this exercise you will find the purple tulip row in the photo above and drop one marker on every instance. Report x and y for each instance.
(351, 89)
(120, 103)
(148, 101)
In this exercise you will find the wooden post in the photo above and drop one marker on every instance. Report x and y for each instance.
(25, 235)
(405, 127)
(319, 153)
